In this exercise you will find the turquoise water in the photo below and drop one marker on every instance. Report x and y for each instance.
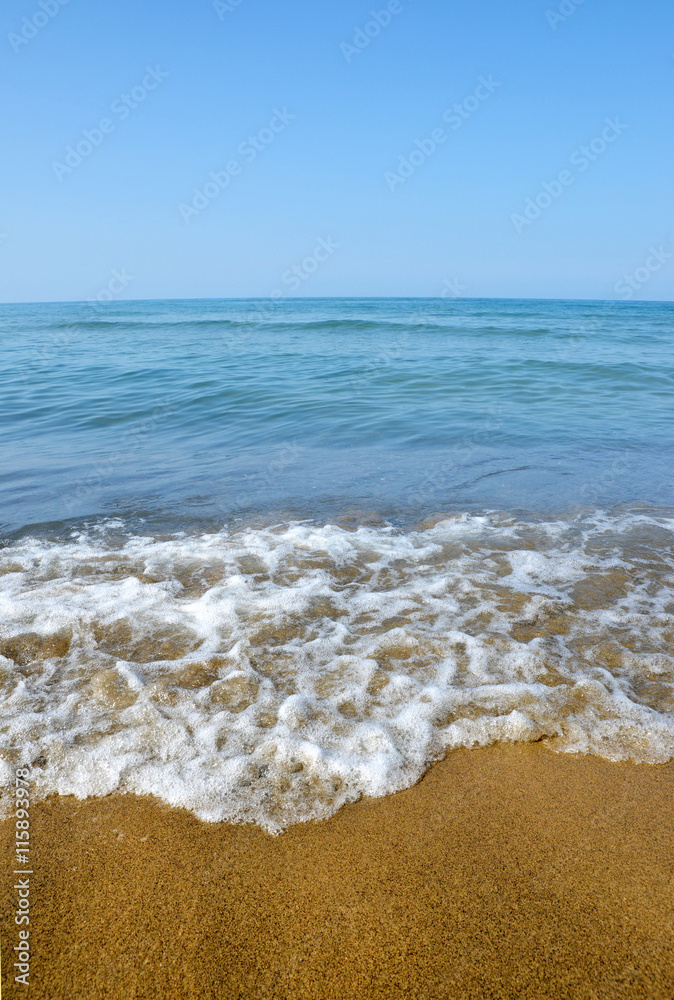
(262, 558)
(202, 412)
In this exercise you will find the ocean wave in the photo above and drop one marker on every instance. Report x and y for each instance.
(270, 674)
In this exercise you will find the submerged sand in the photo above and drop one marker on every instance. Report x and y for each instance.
(507, 872)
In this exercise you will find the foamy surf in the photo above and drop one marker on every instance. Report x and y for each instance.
(272, 674)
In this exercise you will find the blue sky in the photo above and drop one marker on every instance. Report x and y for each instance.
(482, 214)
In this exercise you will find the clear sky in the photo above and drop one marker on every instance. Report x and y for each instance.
(419, 148)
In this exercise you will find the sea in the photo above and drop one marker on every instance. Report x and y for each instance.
(260, 558)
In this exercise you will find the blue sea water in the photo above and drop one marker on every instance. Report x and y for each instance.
(205, 411)
(260, 558)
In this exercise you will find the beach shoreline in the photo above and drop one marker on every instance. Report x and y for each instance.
(509, 871)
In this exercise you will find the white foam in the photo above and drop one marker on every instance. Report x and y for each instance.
(272, 674)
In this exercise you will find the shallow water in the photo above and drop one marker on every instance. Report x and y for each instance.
(179, 414)
(263, 558)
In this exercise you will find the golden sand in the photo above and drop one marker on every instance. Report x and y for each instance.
(505, 873)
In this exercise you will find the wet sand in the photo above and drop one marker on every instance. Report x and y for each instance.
(507, 872)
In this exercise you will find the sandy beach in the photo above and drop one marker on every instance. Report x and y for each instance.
(336, 508)
(506, 872)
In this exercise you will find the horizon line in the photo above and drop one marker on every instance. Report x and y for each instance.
(340, 298)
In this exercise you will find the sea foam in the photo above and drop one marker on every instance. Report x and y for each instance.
(272, 674)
